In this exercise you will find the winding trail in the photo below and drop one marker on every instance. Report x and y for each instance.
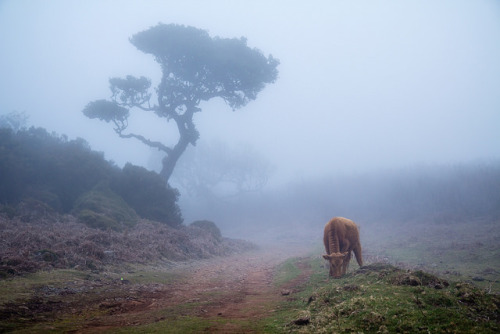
(231, 292)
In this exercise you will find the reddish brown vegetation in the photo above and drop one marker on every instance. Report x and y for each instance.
(38, 240)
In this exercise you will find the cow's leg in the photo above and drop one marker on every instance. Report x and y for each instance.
(345, 264)
(357, 253)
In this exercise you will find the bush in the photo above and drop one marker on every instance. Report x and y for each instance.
(62, 173)
(8, 210)
(209, 227)
(97, 220)
(103, 209)
(148, 194)
(34, 163)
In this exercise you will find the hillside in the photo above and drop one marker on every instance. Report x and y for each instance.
(381, 298)
(40, 239)
(68, 177)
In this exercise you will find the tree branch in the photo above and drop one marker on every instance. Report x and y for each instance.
(148, 108)
(150, 143)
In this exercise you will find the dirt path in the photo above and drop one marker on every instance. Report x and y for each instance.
(232, 291)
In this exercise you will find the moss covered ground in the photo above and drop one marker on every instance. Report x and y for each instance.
(381, 298)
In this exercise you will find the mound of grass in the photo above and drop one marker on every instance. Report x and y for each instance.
(381, 298)
(209, 227)
(102, 208)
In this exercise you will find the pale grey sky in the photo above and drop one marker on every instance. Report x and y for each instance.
(362, 84)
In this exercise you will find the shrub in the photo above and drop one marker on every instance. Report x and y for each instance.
(34, 163)
(8, 210)
(148, 194)
(209, 227)
(60, 172)
(32, 209)
(97, 220)
(101, 208)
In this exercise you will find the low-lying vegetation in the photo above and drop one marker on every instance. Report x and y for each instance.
(62, 300)
(381, 298)
(41, 239)
(467, 251)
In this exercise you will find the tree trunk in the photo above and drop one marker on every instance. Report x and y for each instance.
(171, 159)
(187, 134)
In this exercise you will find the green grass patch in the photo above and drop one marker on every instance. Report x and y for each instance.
(19, 288)
(380, 298)
(181, 325)
(462, 251)
(286, 272)
(102, 208)
(193, 324)
(149, 275)
(26, 302)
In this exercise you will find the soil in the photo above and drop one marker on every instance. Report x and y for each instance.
(231, 290)
(238, 287)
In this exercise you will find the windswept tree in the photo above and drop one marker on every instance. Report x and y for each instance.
(195, 67)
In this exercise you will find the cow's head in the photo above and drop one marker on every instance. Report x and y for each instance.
(336, 260)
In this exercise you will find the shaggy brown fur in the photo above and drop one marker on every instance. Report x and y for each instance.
(340, 238)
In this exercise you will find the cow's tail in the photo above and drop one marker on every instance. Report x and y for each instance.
(358, 254)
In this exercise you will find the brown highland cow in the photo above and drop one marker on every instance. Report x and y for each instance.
(340, 238)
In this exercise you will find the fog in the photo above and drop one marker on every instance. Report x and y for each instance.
(364, 86)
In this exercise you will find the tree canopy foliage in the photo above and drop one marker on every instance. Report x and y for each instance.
(195, 67)
(14, 120)
(62, 173)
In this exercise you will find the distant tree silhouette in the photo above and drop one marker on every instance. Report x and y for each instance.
(195, 67)
(217, 170)
(14, 120)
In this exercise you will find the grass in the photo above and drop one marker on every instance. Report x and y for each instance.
(381, 298)
(143, 274)
(23, 287)
(180, 325)
(17, 288)
(286, 272)
(466, 251)
(378, 298)
(71, 298)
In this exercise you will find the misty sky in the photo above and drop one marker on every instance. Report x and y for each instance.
(362, 84)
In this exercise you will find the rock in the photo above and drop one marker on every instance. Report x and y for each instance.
(350, 287)
(302, 321)
(408, 279)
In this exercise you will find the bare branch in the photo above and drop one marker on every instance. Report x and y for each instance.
(144, 140)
